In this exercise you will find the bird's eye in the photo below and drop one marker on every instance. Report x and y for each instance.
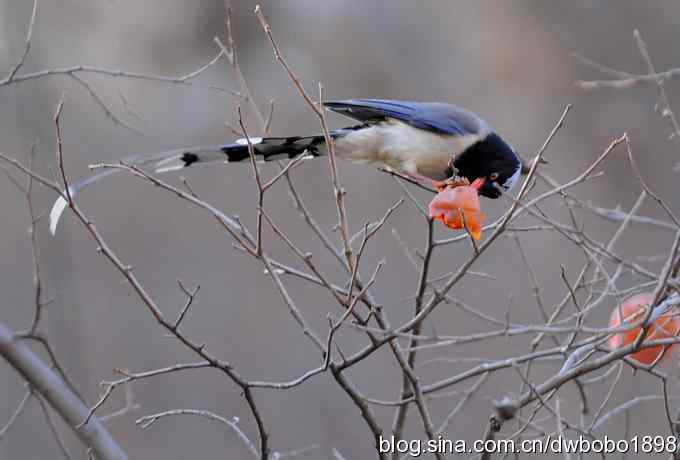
(493, 176)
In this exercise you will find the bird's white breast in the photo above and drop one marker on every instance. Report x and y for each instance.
(403, 147)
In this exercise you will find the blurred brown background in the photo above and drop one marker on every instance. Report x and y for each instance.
(509, 61)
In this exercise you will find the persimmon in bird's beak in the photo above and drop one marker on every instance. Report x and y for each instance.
(458, 208)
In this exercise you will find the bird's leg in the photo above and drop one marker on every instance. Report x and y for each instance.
(424, 184)
(437, 184)
(452, 182)
(427, 182)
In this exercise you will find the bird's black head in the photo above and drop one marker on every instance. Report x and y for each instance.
(492, 159)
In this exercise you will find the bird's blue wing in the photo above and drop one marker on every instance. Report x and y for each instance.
(432, 116)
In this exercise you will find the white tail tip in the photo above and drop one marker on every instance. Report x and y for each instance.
(173, 163)
(56, 212)
(165, 169)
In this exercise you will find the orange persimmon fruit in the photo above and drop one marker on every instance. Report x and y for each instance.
(453, 204)
(633, 309)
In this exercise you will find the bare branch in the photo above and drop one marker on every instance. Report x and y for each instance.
(15, 415)
(149, 420)
(27, 47)
(59, 396)
(183, 80)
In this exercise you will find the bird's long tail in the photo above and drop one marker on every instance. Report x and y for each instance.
(267, 149)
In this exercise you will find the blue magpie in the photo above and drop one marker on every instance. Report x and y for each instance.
(424, 140)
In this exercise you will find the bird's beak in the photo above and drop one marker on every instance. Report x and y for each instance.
(478, 183)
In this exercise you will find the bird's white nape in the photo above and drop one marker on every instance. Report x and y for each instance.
(512, 181)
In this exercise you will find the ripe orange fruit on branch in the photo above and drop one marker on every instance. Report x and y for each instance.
(634, 310)
(458, 208)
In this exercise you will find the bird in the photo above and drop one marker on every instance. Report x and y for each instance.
(436, 142)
